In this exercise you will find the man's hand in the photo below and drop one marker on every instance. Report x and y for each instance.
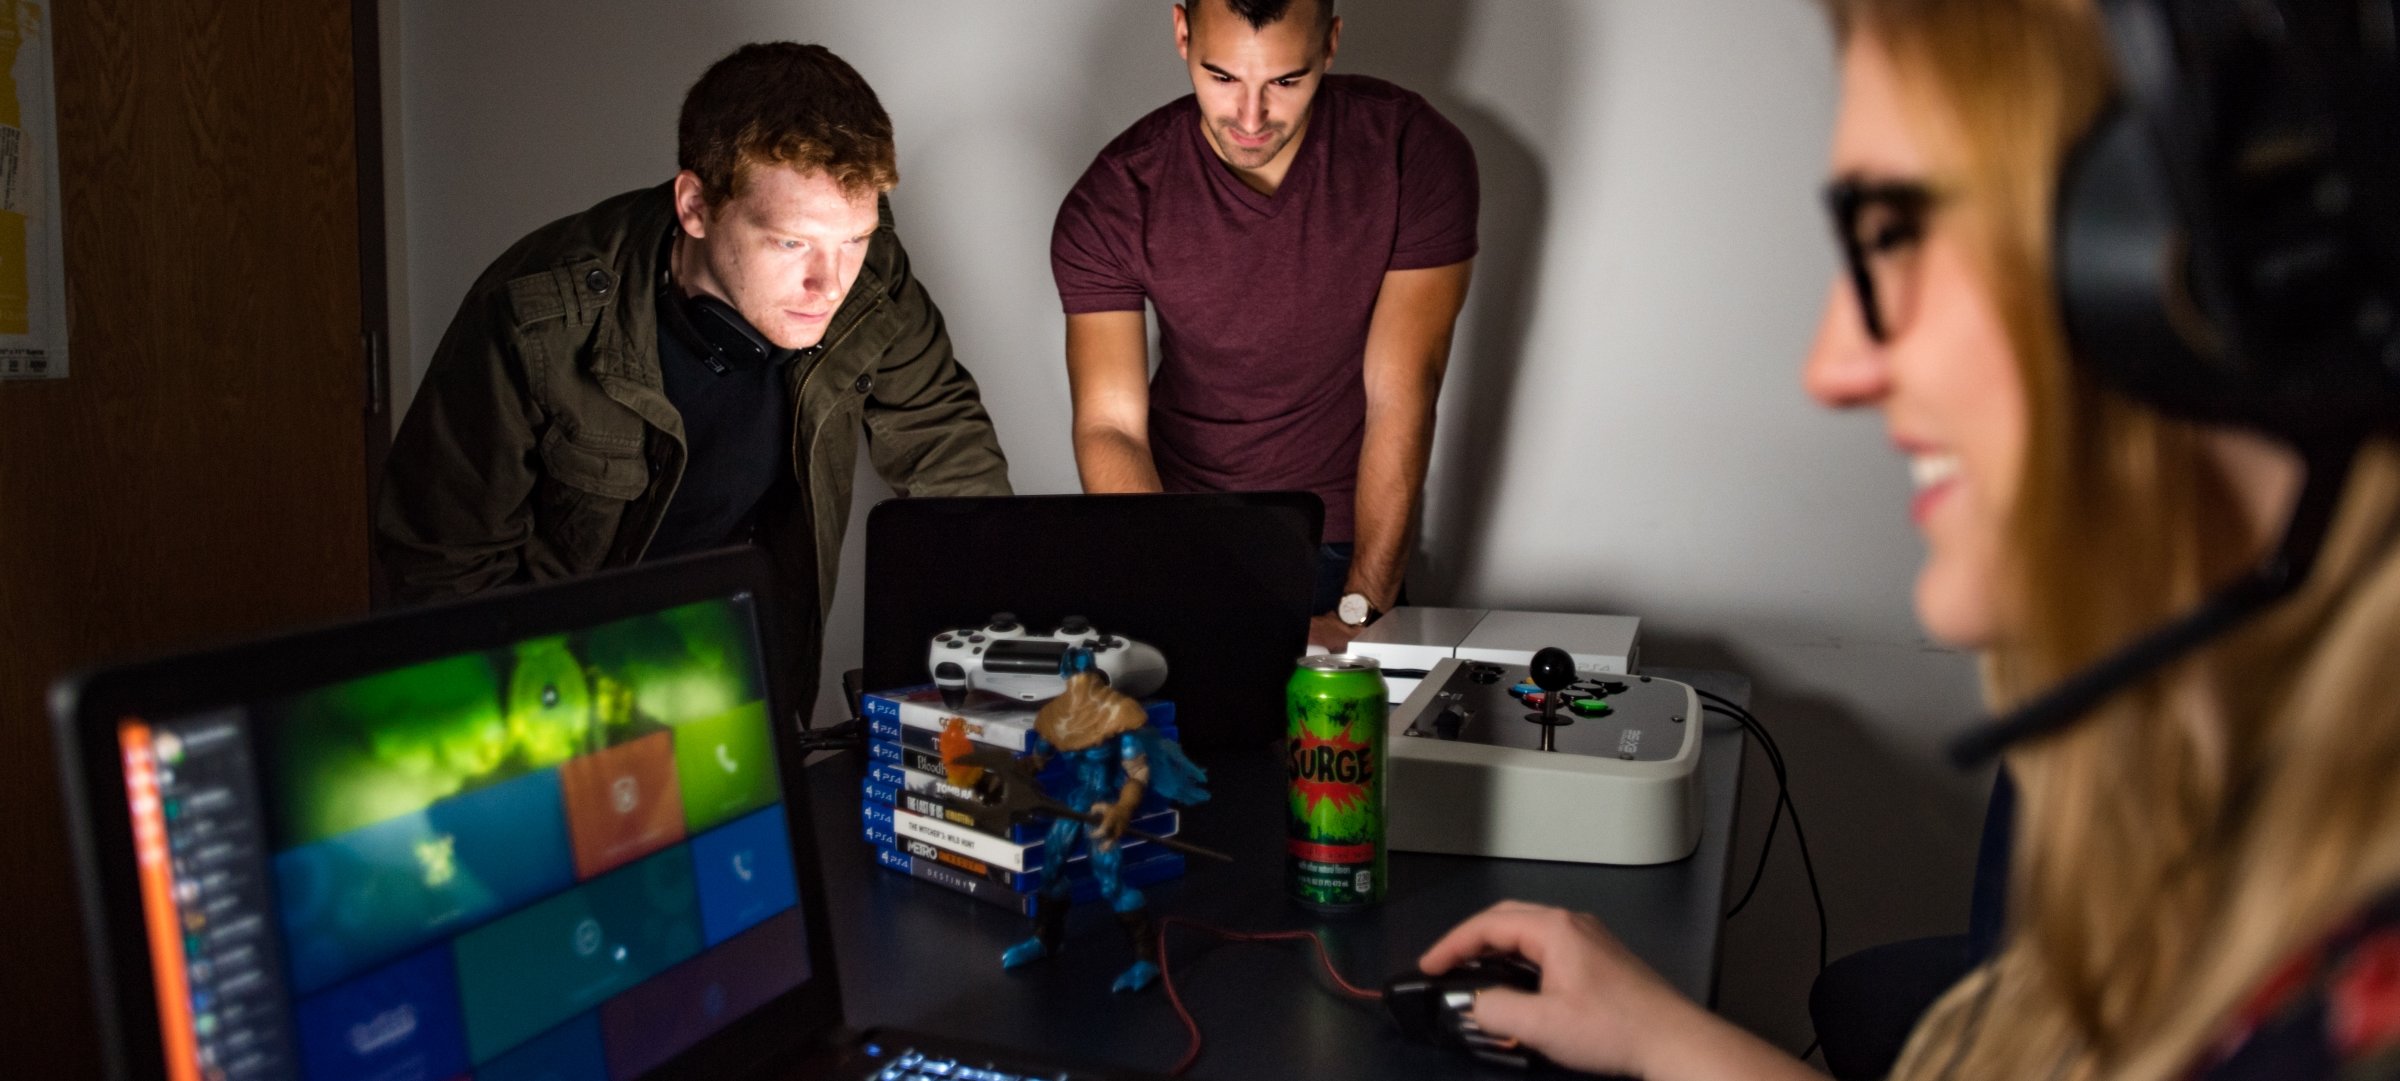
(1329, 631)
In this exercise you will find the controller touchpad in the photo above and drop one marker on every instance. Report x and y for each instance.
(1019, 656)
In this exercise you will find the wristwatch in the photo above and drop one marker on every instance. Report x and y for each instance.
(1356, 610)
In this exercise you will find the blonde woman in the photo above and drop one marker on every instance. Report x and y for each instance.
(2206, 880)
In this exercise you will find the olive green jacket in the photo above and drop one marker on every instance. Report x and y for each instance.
(541, 444)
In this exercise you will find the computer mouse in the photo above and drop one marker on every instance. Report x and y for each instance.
(1436, 1009)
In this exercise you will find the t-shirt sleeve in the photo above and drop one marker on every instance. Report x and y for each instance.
(1439, 195)
(1094, 243)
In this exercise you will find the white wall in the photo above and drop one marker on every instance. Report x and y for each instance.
(1622, 430)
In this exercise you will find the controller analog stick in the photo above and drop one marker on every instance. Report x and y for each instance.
(1075, 625)
(1553, 669)
(1003, 622)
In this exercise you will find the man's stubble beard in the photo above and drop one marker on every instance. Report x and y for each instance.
(1245, 158)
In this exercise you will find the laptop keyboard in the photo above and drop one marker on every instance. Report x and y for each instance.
(915, 1065)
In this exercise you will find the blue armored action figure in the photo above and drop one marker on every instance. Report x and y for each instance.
(1113, 757)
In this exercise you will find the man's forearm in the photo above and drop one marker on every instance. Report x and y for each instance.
(1408, 348)
(1391, 478)
(1108, 372)
(1113, 461)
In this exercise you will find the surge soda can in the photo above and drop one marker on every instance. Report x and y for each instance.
(1334, 856)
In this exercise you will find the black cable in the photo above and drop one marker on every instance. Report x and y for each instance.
(1720, 704)
(1783, 802)
(1759, 872)
(1782, 799)
(1812, 1048)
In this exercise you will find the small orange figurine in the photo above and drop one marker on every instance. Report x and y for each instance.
(955, 745)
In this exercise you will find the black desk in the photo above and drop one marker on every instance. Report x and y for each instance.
(914, 955)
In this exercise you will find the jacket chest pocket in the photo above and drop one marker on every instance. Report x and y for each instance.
(580, 500)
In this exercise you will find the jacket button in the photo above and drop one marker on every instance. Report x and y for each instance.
(865, 383)
(596, 281)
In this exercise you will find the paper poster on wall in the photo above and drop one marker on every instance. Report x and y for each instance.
(33, 283)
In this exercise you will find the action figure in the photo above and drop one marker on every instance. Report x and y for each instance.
(1114, 756)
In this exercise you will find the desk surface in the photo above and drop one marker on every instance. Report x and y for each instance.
(914, 955)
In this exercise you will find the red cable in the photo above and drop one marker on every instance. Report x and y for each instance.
(1167, 976)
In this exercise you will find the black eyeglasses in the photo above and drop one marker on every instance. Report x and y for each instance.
(1880, 224)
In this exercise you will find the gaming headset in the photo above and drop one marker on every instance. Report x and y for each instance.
(2228, 251)
(725, 340)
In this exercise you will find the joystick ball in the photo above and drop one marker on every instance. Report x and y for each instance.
(1552, 668)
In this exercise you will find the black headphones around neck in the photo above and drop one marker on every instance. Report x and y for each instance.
(2227, 250)
(724, 339)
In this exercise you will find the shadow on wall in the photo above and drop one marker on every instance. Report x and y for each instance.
(1418, 44)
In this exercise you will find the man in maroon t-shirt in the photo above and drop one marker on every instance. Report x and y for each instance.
(1305, 240)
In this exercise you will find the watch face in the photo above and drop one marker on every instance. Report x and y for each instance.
(1353, 609)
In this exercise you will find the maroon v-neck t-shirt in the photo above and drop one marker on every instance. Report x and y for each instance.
(1263, 300)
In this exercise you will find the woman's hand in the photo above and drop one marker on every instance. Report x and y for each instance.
(1600, 1009)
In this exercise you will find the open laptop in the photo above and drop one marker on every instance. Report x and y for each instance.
(555, 833)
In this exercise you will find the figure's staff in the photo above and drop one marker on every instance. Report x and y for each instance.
(1021, 795)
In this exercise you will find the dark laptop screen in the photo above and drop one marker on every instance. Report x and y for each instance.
(566, 857)
(1218, 582)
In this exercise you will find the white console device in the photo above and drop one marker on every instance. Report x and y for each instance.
(1612, 775)
(1408, 641)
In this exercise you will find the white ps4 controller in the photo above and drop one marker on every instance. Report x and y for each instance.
(1006, 657)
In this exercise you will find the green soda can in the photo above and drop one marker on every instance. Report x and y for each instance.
(1334, 858)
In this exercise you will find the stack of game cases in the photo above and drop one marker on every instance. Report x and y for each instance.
(952, 835)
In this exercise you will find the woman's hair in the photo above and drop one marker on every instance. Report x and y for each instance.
(2174, 847)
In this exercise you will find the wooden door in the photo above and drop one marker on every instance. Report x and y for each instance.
(202, 473)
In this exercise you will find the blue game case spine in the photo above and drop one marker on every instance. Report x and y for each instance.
(987, 848)
(930, 741)
(1137, 853)
(1163, 867)
(923, 793)
(991, 719)
(879, 830)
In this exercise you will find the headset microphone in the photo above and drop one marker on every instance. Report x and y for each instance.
(2228, 251)
(2061, 706)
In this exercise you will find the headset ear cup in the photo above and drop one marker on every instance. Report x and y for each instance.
(2120, 260)
(2210, 252)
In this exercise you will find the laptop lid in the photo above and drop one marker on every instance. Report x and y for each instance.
(552, 832)
(1220, 582)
